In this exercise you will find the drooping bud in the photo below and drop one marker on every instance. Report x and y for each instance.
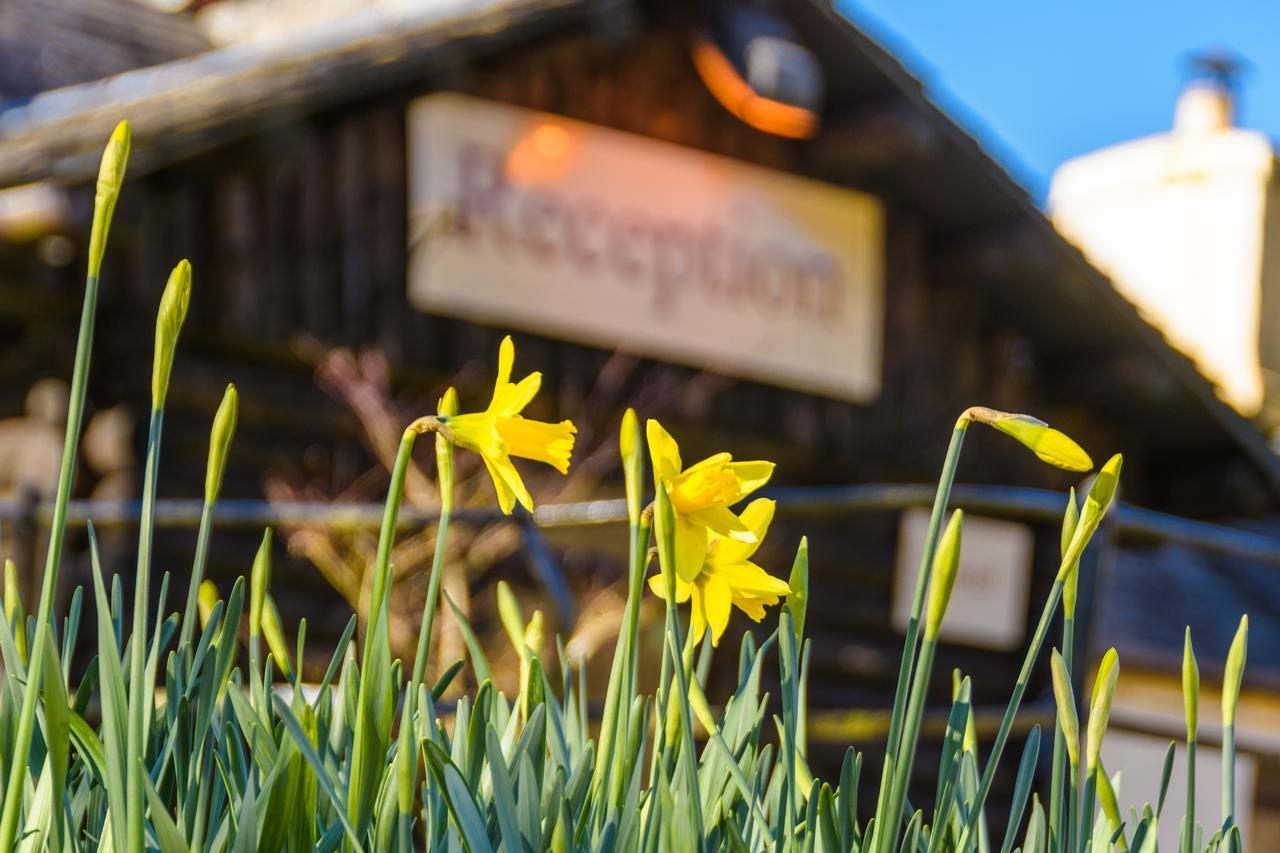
(1233, 675)
(110, 178)
(946, 564)
(1050, 445)
(1065, 698)
(169, 320)
(224, 428)
(1104, 691)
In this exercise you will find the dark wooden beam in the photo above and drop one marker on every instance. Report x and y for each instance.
(188, 106)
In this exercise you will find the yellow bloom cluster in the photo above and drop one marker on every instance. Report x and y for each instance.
(713, 546)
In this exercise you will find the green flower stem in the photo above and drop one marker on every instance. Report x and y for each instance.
(110, 178)
(1088, 800)
(940, 502)
(1011, 711)
(1059, 744)
(674, 645)
(140, 693)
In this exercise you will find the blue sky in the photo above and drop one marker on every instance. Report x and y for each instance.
(1040, 81)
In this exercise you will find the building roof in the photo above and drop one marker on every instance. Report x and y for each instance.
(49, 44)
(882, 133)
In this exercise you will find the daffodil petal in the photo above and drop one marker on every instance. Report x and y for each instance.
(511, 478)
(506, 498)
(663, 450)
(720, 519)
(716, 460)
(537, 440)
(506, 359)
(753, 605)
(749, 579)
(690, 548)
(697, 615)
(756, 518)
(511, 398)
(717, 599)
(752, 476)
(657, 584)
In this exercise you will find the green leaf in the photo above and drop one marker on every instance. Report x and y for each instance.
(167, 832)
(462, 805)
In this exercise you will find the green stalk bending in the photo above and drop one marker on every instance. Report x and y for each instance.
(406, 746)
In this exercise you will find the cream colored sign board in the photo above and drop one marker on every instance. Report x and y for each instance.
(988, 605)
(540, 223)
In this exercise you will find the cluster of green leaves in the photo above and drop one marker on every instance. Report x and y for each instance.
(197, 747)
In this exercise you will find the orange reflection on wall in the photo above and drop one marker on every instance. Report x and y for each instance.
(737, 96)
(542, 154)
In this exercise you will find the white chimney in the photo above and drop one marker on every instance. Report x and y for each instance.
(1185, 224)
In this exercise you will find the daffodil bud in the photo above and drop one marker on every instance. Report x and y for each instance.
(206, 599)
(946, 564)
(110, 178)
(1233, 675)
(1065, 699)
(1104, 691)
(511, 617)
(798, 597)
(1070, 589)
(632, 451)
(173, 311)
(1190, 686)
(224, 428)
(259, 583)
(447, 408)
(13, 608)
(1096, 504)
(533, 633)
(1050, 445)
(273, 632)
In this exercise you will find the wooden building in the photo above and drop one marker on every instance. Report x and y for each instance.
(281, 168)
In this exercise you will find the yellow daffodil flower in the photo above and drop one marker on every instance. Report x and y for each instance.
(728, 578)
(701, 496)
(500, 432)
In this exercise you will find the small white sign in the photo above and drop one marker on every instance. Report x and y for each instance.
(1140, 760)
(538, 222)
(989, 603)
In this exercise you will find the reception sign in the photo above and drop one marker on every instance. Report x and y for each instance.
(540, 223)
